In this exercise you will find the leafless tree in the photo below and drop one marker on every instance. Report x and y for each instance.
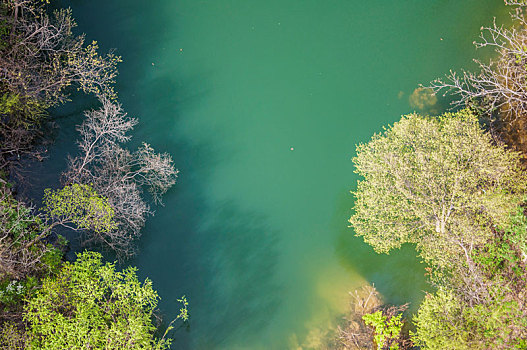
(41, 56)
(40, 59)
(355, 334)
(516, 2)
(499, 89)
(500, 85)
(118, 174)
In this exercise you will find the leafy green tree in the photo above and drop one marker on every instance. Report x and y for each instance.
(441, 183)
(23, 252)
(90, 305)
(75, 206)
(23, 249)
(80, 205)
(387, 330)
(440, 325)
(12, 338)
(24, 259)
(503, 259)
(451, 319)
(446, 321)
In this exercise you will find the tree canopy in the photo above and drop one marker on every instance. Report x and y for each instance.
(41, 57)
(439, 182)
(45, 304)
(80, 205)
(22, 251)
(444, 184)
(90, 305)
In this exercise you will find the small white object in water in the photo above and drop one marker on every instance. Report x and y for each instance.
(292, 148)
(152, 63)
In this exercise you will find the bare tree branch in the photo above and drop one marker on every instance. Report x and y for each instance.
(118, 174)
(500, 84)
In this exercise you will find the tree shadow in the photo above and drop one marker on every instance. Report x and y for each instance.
(221, 256)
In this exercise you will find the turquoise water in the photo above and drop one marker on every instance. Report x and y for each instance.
(261, 104)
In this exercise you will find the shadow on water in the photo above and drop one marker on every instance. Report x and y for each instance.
(222, 257)
(226, 269)
(241, 261)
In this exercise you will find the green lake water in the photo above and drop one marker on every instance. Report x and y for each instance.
(261, 104)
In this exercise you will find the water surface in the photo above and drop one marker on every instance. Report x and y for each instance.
(261, 104)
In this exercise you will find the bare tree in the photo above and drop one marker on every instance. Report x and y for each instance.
(516, 2)
(355, 334)
(118, 174)
(40, 59)
(499, 89)
(500, 85)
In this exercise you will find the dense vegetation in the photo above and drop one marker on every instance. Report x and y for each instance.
(444, 185)
(88, 302)
(457, 192)
(45, 302)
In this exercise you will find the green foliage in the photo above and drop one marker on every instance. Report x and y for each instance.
(80, 204)
(4, 32)
(25, 257)
(25, 112)
(443, 184)
(12, 292)
(91, 305)
(497, 323)
(437, 182)
(516, 2)
(444, 321)
(41, 58)
(386, 331)
(440, 325)
(504, 256)
(8, 102)
(12, 338)
(23, 251)
(98, 71)
(183, 312)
